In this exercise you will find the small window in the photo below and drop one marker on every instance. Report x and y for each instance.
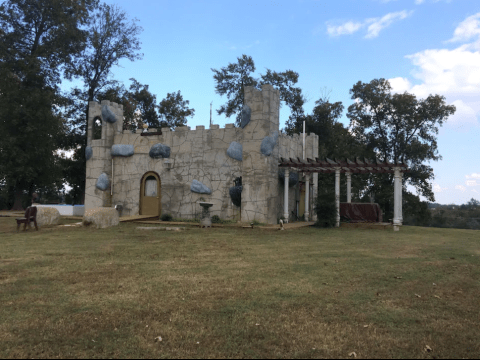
(151, 186)
(97, 128)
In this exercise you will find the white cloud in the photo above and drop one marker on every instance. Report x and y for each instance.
(473, 176)
(345, 29)
(471, 183)
(454, 74)
(378, 24)
(437, 188)
(467, 30)
(475, 191)
(460, 187)
(419, 2)
(374, 25)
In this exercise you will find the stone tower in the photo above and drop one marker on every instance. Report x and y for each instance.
(260, 156)
(98, 152)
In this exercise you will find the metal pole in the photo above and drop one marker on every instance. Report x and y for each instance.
(303, 139)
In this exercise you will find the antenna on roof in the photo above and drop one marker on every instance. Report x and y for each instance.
(211, 114)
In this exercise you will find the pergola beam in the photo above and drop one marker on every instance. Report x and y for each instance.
(349, 167)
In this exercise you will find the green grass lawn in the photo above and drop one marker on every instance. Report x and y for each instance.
(243, 293)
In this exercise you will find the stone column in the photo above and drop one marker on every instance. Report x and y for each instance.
(349, 187)
(397, 199)
(285, 195)
(337, 196)
(307, 196)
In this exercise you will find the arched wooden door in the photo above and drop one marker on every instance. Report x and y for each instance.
(150, 195)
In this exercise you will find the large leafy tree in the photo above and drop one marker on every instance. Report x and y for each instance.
(38, 40)
(335, 141)
(110, 37)
(232, 79)
(174, 110)
(398, 127)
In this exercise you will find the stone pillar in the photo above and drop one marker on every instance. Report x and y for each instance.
(285, 195)
(337, 196)
(397, 199)
(307, 196)
(349, 187)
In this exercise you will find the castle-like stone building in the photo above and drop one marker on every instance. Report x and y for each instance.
(235, 168)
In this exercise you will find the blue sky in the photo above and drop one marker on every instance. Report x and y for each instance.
(422, 46)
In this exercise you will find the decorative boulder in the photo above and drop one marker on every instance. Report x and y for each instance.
(292, 178)
(47, 216)
(88, 152)
(246, 114)
(123, 150)
(101, 217)
(159, 151)
(236, 195)
(199, 188)
(235, 151)
(102, 182)
(268, 143)
(108, 114)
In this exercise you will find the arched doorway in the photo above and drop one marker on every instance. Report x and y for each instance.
(150, 194)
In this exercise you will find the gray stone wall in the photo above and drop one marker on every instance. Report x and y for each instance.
(199, 154)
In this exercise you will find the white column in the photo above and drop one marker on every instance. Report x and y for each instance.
(307, 196)
(349, 187)
(337, 196)
(397, 199)
(285, 196)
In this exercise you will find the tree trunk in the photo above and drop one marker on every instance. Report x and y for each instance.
(17, 204)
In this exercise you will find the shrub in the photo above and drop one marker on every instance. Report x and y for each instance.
(166, 217)
(325, 209)
(216, 219)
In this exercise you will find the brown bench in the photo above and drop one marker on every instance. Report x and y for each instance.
(30, 216)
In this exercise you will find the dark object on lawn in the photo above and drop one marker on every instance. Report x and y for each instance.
(30, 216)
(166, 217)
(361, 212)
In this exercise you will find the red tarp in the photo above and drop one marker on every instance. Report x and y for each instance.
(360, 212)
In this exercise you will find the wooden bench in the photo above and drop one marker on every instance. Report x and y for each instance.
(30, 216)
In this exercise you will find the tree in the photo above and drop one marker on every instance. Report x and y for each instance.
(30, 131)
(110, 37)
(44, 35)
(398, 127)
(473, 203)
(231, 81)
(174, 110)
(38, 40)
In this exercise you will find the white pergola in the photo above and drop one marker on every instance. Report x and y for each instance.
(348, 167)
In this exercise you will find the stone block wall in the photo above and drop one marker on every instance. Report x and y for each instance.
(197, 154)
